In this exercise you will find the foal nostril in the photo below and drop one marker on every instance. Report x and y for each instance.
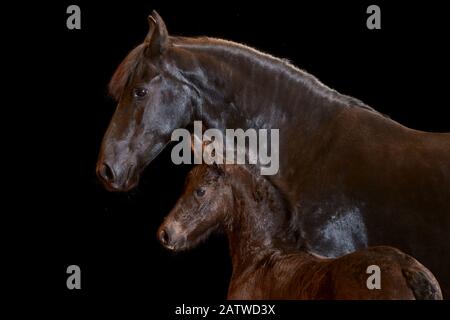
(106, 173)
(164, 237)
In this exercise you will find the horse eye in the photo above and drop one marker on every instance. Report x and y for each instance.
(200, 192)
(140, 92)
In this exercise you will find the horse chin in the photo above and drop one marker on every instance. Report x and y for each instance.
(125, 187)
(182, 245)
(179, 247)
(193, 242)
(171, 248)
(176, 247)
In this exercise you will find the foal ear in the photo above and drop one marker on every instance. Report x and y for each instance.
(220, 168)
(198, 140)
(157, 38)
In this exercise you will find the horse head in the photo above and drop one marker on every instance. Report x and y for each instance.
(154, 99)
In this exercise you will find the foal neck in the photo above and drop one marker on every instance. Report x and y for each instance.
(258, 224)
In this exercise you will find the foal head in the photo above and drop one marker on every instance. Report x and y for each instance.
(203, 207)
(248, 206)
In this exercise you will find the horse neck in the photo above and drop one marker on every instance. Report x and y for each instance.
(244, 88)
(258, 224)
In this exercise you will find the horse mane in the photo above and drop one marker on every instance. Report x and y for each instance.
(281, 65)
(133, 63)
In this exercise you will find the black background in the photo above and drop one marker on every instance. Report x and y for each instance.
(400, 70)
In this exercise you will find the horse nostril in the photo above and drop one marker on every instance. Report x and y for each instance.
(106, 173)
(164, 237)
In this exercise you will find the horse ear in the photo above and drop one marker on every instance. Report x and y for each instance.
(157, 38)
(217, 167)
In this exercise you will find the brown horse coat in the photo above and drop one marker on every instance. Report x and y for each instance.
(266, 264)
(351, 177)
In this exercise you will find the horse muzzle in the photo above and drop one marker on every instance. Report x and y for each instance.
(116, 179)
(171, 237)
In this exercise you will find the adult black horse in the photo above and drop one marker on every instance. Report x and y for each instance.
(352, 177)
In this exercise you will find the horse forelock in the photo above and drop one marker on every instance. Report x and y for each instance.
(124, 72)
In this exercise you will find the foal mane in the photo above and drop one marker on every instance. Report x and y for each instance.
(263, 190)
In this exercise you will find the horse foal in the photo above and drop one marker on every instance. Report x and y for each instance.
(267, 263)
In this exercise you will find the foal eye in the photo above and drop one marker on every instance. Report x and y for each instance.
(200, 192)
(140, 92)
